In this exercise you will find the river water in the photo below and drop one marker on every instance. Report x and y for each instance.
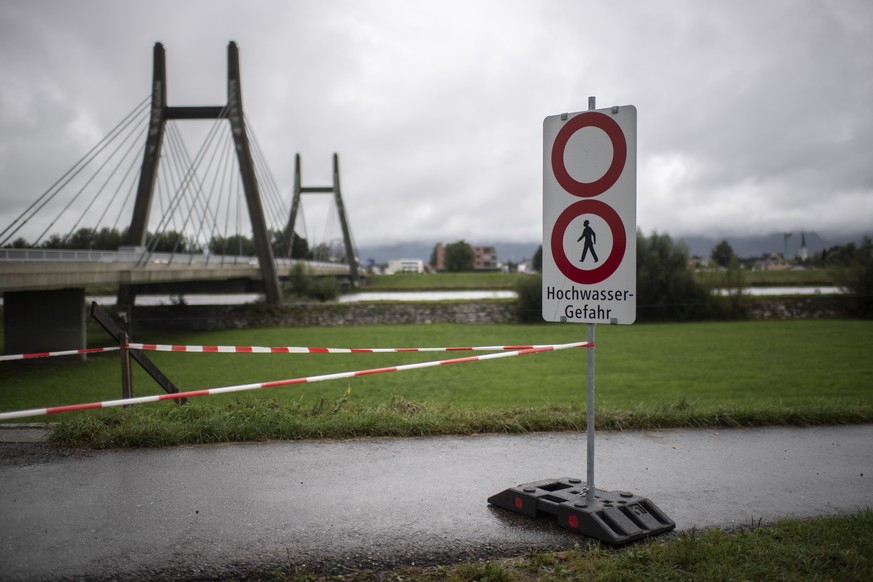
(773, 291)
(367, 296)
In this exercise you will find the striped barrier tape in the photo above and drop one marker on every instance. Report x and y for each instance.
(35, 355)
(276, 383)
(304, 350)
(194, 349)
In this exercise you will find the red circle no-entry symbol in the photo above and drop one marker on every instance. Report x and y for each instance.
(619, 242)
(619, 154)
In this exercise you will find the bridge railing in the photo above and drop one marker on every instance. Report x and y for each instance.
(123, 256)
(86, 256)
(58, 255)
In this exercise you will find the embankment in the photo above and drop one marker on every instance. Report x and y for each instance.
(212, 317)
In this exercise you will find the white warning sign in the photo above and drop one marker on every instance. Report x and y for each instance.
(589, 216)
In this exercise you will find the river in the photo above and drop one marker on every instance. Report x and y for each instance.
(368, 296)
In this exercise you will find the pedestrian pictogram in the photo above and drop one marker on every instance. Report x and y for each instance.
(590, 240)
(589, 216)
(613, 227)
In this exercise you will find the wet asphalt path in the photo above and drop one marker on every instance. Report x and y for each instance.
(218, 510)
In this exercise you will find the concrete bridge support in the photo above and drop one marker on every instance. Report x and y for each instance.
(43, 321)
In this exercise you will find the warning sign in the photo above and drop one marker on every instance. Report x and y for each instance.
(589, 216)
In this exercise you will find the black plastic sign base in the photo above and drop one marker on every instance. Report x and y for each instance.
(615, 517)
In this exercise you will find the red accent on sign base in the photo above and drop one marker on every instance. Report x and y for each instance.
(573, 521)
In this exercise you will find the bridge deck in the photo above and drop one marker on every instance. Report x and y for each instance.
(44, 269)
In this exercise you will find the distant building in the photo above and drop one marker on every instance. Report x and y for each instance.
(440, 256)
(484, 258)
(404, 266)
(696, 262)
(771, 262)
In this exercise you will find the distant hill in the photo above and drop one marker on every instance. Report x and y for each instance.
(701, 246)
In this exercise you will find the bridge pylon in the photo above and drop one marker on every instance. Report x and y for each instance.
(161, 112)
(340, 210)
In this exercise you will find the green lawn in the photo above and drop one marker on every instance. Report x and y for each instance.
(704, 364)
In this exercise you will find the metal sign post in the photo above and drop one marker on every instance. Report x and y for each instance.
(589, 411)
(589, 407)
(589, 201)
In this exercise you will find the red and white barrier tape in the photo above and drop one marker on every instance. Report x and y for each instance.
(195, 349)
(35, 355)
(273, 384)
(304, 350)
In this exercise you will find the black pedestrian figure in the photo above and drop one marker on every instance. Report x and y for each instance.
(590, 241)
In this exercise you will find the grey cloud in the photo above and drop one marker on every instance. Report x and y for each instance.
(751, 115)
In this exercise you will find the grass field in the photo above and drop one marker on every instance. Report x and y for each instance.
(686, 370)
(784, 362)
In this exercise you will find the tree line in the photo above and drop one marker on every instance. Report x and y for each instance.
(834, 257)
(171, 241)
(668, 290)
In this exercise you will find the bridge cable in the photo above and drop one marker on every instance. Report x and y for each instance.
(273, 197)
(210, 210)
(194, 185)
(232, 196)
(168, 183)
(182, 163)
(277, 210)
(87, 183)
(70, 174)
(131, 177)
(223, 154)
(176, 199)
(329, 230)
(195, 188)
(222, 174)
(132, 148)
(166, 187)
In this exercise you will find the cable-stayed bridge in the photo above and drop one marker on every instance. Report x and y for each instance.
(139, 211)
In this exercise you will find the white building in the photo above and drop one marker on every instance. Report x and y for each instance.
(404, 266)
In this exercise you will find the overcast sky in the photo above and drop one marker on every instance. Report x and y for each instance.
(754, 116)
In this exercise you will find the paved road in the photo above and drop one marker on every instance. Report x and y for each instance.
(213, 510)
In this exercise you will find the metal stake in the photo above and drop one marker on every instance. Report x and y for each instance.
(126, 376)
